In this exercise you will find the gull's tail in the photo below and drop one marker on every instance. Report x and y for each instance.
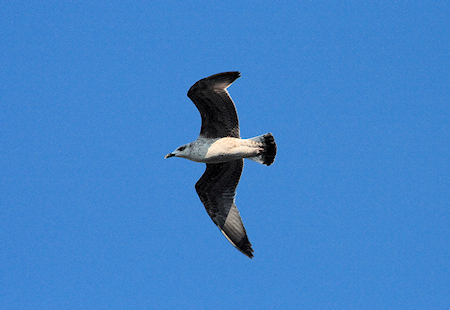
(267, 155)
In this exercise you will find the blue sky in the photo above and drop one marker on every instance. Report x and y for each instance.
(354, 213)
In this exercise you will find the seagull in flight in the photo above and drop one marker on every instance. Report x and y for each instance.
(220, 146)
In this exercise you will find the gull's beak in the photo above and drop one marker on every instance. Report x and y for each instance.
(169, 155)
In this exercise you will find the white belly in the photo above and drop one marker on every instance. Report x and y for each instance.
(228, 149)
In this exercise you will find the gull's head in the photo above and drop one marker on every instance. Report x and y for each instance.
(183, 151)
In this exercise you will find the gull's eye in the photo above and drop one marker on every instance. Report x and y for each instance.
(181, 148)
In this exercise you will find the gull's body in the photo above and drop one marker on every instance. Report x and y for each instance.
(219, 146)
(213, 151)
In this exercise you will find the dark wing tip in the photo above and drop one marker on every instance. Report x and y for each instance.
(245, 247)
(230, 76)
(224, 79)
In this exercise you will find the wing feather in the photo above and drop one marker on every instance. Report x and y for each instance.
(217, 189)
(217, 109)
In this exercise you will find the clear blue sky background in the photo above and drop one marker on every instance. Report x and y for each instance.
(354, 213)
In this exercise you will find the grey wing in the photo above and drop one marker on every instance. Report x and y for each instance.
(216, 189)
(218, 112)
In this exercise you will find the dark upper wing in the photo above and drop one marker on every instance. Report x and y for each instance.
(219, 116)
(216, 189)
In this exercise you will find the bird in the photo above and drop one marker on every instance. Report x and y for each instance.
(221, 148)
